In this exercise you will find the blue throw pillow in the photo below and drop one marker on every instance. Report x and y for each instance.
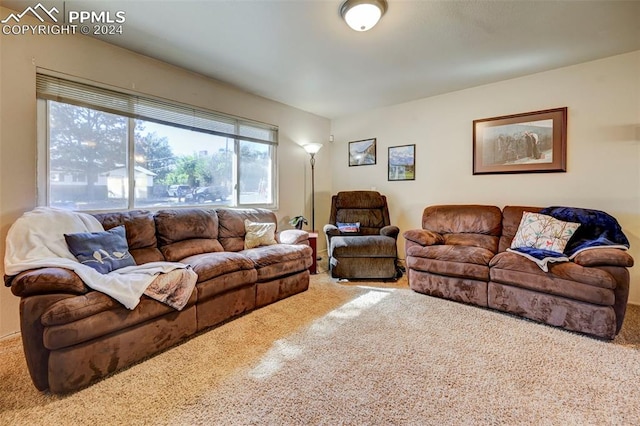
(348, 227)
(103, 251)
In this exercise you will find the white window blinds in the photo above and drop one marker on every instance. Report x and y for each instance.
(156, 110)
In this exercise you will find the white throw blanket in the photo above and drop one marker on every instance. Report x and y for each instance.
(36, 240)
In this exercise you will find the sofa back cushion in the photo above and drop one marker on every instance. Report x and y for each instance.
(140, 228)
(511, 217)
(187, 232)
(232, 228)
(369, 221)
(469, 225)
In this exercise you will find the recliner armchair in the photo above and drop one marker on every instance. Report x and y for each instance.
(370, 252)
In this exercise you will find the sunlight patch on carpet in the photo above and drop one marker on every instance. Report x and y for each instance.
(284, 349)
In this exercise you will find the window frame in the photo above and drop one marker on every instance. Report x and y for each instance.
(43, 167)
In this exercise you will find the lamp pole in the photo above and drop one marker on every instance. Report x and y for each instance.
(312, 149)
(313, 191)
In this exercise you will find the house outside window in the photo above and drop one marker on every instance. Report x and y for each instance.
(103, 150)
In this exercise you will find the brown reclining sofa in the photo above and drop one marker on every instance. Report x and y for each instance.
(461, 254)
(73, 335)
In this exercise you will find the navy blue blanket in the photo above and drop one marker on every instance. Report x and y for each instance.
(597, 229)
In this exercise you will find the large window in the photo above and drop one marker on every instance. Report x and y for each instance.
(109, 150)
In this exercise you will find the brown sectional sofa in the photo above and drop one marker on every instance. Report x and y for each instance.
(73, 335)
(460, 254)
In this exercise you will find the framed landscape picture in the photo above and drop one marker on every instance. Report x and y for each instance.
(532, 142)
(362, 153)
(402, 162)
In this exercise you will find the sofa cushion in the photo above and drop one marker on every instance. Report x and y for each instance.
(370, 220)
(453, 253)
(141, 233)
(187, 232)
(544, 232)
(565, 270)
(220, 273)
(77, 308)
(360, 199)
(459, 219)
(487, 242)
(449, 269)
(191, 247)
(279, 260)
(100, 323)
(268, 255)
(232, 228)
(563, 279)
(211, 265)
(146, 255)
(451, 260)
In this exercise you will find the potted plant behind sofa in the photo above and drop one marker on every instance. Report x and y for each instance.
(298, 222)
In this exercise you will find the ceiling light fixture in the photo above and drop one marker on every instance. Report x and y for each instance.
(362, 15)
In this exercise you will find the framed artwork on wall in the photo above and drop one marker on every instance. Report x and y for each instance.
(362, 153)
(402, 162)
(532, 142)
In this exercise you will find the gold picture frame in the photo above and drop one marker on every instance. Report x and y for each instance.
(532, 142)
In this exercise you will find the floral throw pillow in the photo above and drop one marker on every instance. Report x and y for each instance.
(103, 251)
(543, 232)
(259, 234)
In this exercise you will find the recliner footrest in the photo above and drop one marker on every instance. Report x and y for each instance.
(363, 246)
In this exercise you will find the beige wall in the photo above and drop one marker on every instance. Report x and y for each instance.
(91, 59)
(603, 168)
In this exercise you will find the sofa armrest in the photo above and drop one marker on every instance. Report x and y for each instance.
(293, 236)
(604, 257)
(47, 281)
(390, 231)
(423, 237)
(331, 230)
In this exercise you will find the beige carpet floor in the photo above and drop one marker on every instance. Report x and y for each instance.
(355, 354)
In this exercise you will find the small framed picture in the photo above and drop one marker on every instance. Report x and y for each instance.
(532, 142)
(402, 162)
(362, 153)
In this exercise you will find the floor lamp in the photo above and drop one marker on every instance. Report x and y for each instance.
(312, 149)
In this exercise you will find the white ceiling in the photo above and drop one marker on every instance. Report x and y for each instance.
(301, 53)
